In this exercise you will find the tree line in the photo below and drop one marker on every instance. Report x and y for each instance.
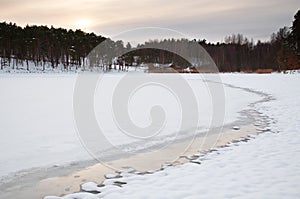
(238, 53)
(43, 45)
(53, 47)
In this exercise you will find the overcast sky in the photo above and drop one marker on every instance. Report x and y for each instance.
(209, 19)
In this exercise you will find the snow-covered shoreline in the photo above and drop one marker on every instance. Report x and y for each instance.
(62, 180)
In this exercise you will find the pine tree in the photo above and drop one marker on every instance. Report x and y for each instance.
(295, 37)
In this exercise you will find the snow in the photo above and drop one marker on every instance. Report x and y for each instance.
(264, 166)
(36, 122)
(90, 187)
(236, 128)
(38, 128)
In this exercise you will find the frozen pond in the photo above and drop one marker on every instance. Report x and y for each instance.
(37, 126)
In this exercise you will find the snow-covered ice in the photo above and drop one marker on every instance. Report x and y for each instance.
(37, 121)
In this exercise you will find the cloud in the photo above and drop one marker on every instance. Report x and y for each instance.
(211, 18)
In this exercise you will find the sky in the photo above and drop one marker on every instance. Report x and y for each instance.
(201, 19)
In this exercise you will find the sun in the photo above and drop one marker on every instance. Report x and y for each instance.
(83, 24)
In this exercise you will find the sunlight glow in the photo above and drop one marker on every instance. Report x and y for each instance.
(83, 24)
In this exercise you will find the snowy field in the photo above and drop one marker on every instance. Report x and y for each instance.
(265, 166)
(38, 131)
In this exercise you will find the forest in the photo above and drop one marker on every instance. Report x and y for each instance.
(52, 47)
